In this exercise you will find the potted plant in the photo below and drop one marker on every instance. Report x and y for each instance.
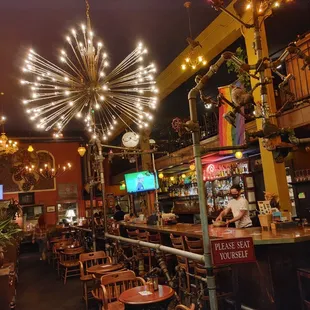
(8, 229)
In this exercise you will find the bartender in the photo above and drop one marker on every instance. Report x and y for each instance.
(239, 207)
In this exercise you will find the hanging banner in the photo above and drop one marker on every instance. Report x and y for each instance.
(228, 134)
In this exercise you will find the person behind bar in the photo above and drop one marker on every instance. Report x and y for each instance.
(239, 207)
(119, 213)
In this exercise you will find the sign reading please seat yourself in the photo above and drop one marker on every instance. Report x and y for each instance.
(233, 251)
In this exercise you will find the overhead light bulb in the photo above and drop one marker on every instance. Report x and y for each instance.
(183, 67)
(161, 175)
(238, 154)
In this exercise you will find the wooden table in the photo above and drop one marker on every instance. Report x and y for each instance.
(103, 269)
(132, 299)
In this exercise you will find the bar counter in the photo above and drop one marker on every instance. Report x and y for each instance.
(270, 283)
(260, 237)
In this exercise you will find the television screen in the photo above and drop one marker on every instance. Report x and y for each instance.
(1, 191)
(140, 182)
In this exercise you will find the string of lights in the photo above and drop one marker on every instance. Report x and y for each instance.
(82, 88)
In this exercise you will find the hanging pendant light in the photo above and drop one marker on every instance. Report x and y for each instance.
(30, 148)
(81, 150)
(194, 59)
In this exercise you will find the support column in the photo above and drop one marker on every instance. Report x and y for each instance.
(147, 165)
(274, 173)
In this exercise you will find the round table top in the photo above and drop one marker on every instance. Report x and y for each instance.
(102, 269)
(133, 296)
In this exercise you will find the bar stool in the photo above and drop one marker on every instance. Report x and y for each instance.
(195, 245)
(133, 234)
(183, 262)
(145, 252)
(303, 274)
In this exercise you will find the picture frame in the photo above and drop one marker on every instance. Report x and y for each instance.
(50, 209)
(249, 181)
(26, 199)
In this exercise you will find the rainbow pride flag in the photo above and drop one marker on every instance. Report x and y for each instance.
(230, 135)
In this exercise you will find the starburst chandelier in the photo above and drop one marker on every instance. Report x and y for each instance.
(83, 88)
(7, 146)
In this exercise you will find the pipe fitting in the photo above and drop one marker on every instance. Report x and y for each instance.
(193, 93)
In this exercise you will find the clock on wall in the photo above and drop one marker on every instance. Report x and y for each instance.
(130, 139)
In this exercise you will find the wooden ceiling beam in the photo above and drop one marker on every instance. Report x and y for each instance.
(221, 33)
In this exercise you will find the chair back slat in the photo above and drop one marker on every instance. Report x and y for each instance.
(154, 237)
(178, 243)
(93, 258)
(116, 283)
(132, 233)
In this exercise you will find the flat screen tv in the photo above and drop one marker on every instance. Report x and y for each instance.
(141, 182)
(1, 191)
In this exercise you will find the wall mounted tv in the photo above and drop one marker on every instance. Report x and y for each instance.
(141, 182)
(1, 191)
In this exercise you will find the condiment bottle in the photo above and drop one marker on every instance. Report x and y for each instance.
(151, 287)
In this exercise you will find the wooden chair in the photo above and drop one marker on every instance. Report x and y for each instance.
(69, 260)
(56, 252)
(182, 307)
(178, 243)
(87, 260)
(113, 285)
(133, 234)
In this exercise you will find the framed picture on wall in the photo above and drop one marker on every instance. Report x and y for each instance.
(26, 199)
(50, 209)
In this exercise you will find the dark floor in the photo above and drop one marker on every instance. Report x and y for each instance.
(40, 288)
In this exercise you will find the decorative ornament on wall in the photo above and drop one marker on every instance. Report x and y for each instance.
(22, 169)
(25, 173)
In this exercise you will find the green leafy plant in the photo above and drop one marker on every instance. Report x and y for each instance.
(8, 231)
(242, 76)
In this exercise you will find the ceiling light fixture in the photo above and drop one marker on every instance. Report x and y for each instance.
(194, 59)
(48, 172)
(7, 146)
(81, 87)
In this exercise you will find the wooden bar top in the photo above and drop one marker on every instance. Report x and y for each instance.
(260, 237)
